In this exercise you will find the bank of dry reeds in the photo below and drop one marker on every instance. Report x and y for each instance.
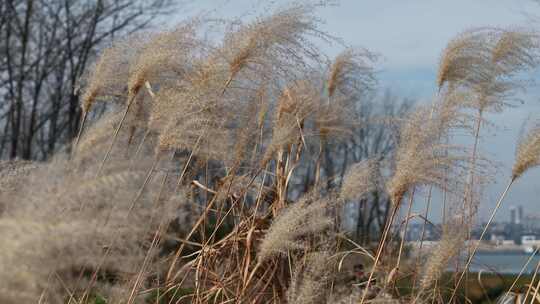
(181, 193)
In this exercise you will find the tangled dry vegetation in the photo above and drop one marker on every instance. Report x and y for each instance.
(180, 193)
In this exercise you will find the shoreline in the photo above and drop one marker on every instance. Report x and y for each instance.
(485, 248)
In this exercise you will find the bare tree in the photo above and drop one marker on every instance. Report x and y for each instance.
(376, 140)
(45, 46)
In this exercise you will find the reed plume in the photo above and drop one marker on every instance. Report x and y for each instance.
(289, 230)
(511, 52)
(64, 224)
(421, 157)
(310, 279)
(484, 61)
(269, 42)
(162, 57)
(11, 174)
(516, 50)
(452, 240)
(465, 59)
(107, 78)
(527, 152)
(360, 179)
(351, 71)
(352, 76)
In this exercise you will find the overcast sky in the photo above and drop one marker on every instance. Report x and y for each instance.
(410, 35)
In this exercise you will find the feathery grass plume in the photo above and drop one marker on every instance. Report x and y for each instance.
(193, 115)
(452, 240)
(421, 157)
(201, 120)
(352, 76)
(250, 125)
(107, 78)
(360, 179)
(298, 102)
(527, 152)
(288, 231)
(163, 57)
(276, 44)
(484, 61)
(451, 104)
(98, 136)
(309, 282)
(165, 103)
(516, 50)
(465, 59)
(351, 72)
(12, 174)
(93, 143)
(282, 41)
(198, 125)
(334, 120)
(65, 223)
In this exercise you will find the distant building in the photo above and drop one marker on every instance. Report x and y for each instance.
(497, 239)
(531, 222)
(529, 240)
(520, 214)
(513, 215)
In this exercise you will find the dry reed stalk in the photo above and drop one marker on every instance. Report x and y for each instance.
(475, 248)
(525, 159)
(534, 297)
(284, 35)
(422, 235)
(297, 102)
(521, 271)
(468, 198)
(402, 243)
(194, 228)
(452, 240)
(309, 281)
(115, 135)
(115, 236)
(419, 160)
(481, 61)
(157, 235)
(379, 252)
(531, 283)
(105, 79)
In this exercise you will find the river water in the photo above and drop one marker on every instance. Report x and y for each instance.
(504, 262)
